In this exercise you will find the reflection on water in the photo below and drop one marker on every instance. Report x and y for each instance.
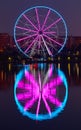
(71, 70)
(10, 116)
(40, 91)
(6, 77)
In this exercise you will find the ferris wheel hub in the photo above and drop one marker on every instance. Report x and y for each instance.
(40, 32)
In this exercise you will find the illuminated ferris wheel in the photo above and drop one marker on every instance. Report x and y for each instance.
(40, 31)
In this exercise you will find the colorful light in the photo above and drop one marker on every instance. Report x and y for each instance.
(38, 31)
(31, 90)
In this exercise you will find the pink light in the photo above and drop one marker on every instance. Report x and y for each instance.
(54, 83)
(31, 44)
(23, 96)
(54, 101)
(23, 85)
(37, 18)
(52, 40)
(26, 29)
(24, 38)
(35, 91)
(38, 106)
(30, 103)
(53, 91)
(30, 21)
(50, 71)
(48, 50)
(52, 24)
(46, 19)
(46, 104)
(48, 75)
(31, 79)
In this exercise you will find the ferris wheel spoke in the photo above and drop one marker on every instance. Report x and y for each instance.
(33, 42)
(54, 23)
(48, 75)
(32, 50)
(39, 78)
(30, 21)
(24, 86)
(24, 44)
(36, 10)
(30, 103)
(55, 101)
(22, 28)
(23, 34)
(27, 37)
(38, 106)
(45, 19)
(52, 39)
(50, 32)
(51, 45)
(39, 43)
(43, 51)
(48, 50)
(53, 91)
(23, 96)
(46, 104)
(24, 24)
(31, 79)
(54, 83)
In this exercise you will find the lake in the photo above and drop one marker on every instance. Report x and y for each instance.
(68, 119)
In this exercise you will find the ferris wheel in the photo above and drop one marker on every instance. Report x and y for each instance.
(40, 31)
(40, 93)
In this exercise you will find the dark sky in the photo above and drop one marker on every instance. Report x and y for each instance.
(69, 9)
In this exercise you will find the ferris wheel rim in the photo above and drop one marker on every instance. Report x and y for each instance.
(45, 7)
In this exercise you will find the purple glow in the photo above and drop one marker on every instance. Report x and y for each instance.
(30, 103)
(31, 79)
(33, 91)
(38, 106)
(46, 19)
(23, 85)
(37, 18)
(24, 38)
(47, 106)
(52, 24)
(50, 71)
(53, 91)
(55, 101)
(22, 28)
(30, 21)
(54, 82)
(40, 22)
(52, 40)
(23, 96)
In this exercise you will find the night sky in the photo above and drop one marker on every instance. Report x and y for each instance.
(69, 9)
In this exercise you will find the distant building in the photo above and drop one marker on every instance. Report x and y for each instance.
(4, 41)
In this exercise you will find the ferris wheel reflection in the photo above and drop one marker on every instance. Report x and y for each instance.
(40, 91)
